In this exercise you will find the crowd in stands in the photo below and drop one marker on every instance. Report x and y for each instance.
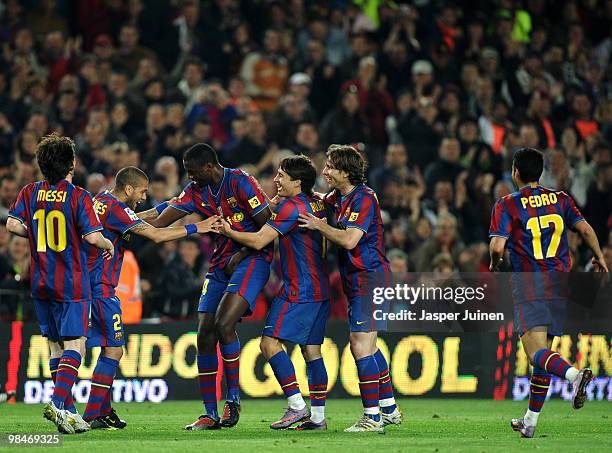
(436, 95)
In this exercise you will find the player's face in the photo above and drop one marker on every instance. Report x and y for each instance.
(285, 186)
(139, 194)
(334, 177)
(199, 175)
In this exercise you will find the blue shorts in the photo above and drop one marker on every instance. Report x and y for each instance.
(361, 314)
(248, 279)
(106, 326)
(59, 320)
(298, 323)
(549, 313)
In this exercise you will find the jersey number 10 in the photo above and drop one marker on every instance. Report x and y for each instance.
(48, 233)
(536, 224)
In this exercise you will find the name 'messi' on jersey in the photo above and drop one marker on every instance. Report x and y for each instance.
(51, 195)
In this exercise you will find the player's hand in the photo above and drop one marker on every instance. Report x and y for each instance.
(311, 222)
(109, 249)
(207, 225)
(273, 202)
(599, 264)
(495, 267)
(222, 226)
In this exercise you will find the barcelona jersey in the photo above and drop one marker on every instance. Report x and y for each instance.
(57, 217)
(118, 219)
(302, 251)
(535, 220)
(360, 209)
(240, 199)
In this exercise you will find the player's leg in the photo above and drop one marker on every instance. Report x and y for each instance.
(391, 414)
(317, 387)
(272, 349)
(71, 321)
(243, 287)
(535, 343)
(106, 332)
(363, 347)
(207, 359)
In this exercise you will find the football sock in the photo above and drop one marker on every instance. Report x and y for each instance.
(386, 398)
(285, 375)
(555, 364)
(231, 364)
(69, 403)
(367, 369)
(540, 381)
(101, 384)
(67, 373)
(317, 386)
(207, 377)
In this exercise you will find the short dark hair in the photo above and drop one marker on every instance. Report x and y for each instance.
(347, 158)
(201, 154)
(129, 176)
(55, 155)
(530, 163)
(300, 167)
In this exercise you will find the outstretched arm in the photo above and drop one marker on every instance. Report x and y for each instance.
(347, 239)
(99, 241)
(159, 235)
(255, 241)
(167, 217)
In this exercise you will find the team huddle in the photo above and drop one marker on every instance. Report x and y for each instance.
(78, 243)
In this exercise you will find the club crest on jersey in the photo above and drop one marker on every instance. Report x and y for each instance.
(347, 212)
(254, 202)
(353, 216)
(118, 336)
(232, 202)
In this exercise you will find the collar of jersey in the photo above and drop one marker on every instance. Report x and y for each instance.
(531, 185)
(343, 197)
(225, 171)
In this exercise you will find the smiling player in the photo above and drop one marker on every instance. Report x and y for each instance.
(359, 234)
(115, 210)
(299, 312)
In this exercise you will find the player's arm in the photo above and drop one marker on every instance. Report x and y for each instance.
(590, 238)
(159, 235)
(255, 241)
(96, 239)
(496, 250)
(16, 227)
(262, 217)
(347, 239)
(167, 217)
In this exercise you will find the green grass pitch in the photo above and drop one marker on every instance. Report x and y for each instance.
(429, 425)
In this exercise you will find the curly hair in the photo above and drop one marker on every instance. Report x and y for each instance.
(55, 155)
(347, 158)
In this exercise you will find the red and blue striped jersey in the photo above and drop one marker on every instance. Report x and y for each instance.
(118, 219)
(534, 220)
(240, 198)
(360, 209)
(57, 217)
(302, 251)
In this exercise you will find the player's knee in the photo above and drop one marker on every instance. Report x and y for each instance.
(359, 348)
(225, 328)
(269, 347)
(114, 353)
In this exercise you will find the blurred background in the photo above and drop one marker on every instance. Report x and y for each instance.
(436, 95)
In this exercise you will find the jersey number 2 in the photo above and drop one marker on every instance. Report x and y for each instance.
(51, 231)
(536, 224)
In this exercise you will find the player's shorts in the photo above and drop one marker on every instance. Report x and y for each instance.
(106, 325)
(298, 323)
(248, 279)
(361, 314)
(549, 313)
(59, 320)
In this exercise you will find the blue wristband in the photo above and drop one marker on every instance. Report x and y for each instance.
(160, 207)
(191, 228)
